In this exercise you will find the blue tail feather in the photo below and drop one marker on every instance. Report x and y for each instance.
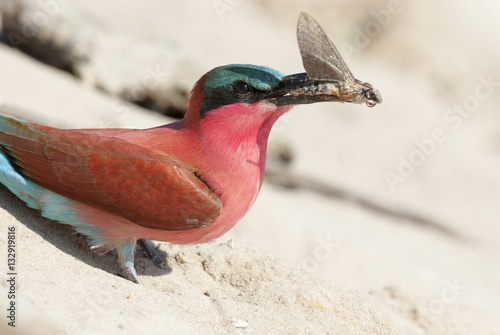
(52, 205)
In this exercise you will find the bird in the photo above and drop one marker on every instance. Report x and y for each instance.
(185, 182)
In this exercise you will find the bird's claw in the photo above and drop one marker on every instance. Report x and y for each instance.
(131, 274)
(150, 250)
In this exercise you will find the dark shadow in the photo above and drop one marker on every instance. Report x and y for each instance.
(65, 238)
(291, 181)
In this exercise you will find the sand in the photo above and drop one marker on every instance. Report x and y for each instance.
(330, 247)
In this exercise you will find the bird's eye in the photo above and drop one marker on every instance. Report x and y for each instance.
(241, 87)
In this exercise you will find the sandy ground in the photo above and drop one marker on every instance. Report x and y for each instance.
(344, 251)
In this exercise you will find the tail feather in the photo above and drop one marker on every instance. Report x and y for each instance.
(24, 156)
(59, 208)
(16, 133)
(26, 146)
(52, 205)
(18, 149)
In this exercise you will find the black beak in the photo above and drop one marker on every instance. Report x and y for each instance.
(282, 94)
(299, 89)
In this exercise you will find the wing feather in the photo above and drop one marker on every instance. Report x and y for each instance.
(149, 188)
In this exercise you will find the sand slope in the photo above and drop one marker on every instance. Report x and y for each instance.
(336, 251)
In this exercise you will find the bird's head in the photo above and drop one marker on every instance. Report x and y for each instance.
(235, 84)
(246, 87)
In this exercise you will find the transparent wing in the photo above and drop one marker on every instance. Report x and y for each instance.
(320, 57)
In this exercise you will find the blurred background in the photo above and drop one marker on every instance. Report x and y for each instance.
(406, 194)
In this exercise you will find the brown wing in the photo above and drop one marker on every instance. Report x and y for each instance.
(150, 189)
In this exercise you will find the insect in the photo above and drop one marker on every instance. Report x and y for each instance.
(327, 72)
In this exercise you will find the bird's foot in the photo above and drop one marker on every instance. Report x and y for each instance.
(131, 274)
(126, 253)
(150, 250)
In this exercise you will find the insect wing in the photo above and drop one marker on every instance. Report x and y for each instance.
(320, 58)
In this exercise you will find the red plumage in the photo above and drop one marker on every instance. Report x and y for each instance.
(185, 182)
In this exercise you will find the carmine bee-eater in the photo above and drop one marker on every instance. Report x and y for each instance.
(185, 182)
